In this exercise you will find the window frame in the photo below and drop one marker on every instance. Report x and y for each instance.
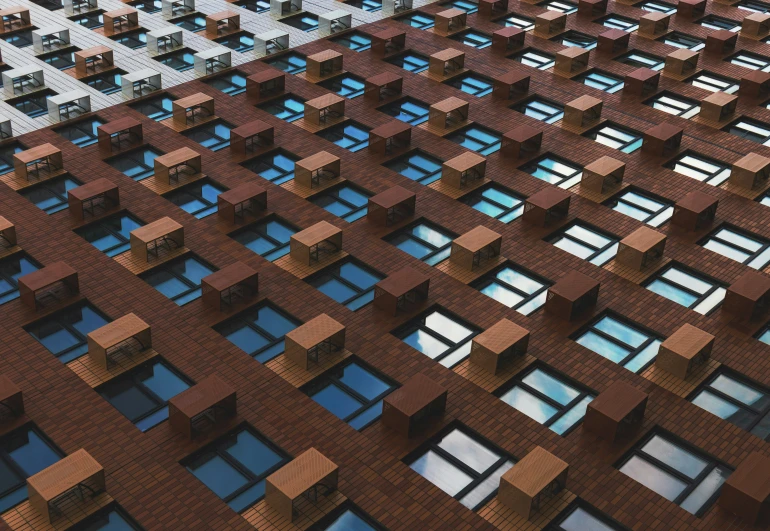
(299, 22)
(666, 204)
(15, 258)
(139, 163)
(56, 316)
(339, 130)
(399, 60)
(152, 101)
(514, 20)
(333, 192)
(285, 176)
(715, 285)
(47, 185)
(594, 134)
(188, 190)
(476, 78)
(241, 318)
(410, 17)
(252, 227)
(580, 504)
(566, 182)
(331, 517)
(227, 78)
(491, 278)
(669, 9)
(101, 222)
(715, 178)
(209, 128)
(713, 21)
(331, 271)
(7, 151)
(609, 89)
(761, 240)
(89, 132)
(471, 35)
(743, 58)
(680, 37)
(406, 158)
(284, 65)
(107, 79)
(418, 323)
(337, 85)
(167, 58)
(732, 88)
(628, 59)
(478, 195)
(488, 148)
(129, 37)
(350, 43)
(561, 233)
(574, 37)
(94, 518)
(617, 21)
(166, 268)
(435, 251)
(280, 103)
(32, 99)
(540, 60)
(742, 133)
(394, 109)
(234, 42)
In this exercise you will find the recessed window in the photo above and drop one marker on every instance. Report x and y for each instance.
(682, 40)
(51, 195)
(477, 138)
(235, 466)
(473, 38)
(138, 164)
(462, 5)
(355, 40)
(157, 107)
(642, 60)
(601, 80)
(686, 287)
(619, 22)
(620, 341)
(755, 7)
(61, 59)
(642, 206)
(518, 21)
(417, 19)
(231, 83)
(347, 85)
(198, 198)
(698, 167)
(288, 107)
(462, 464)
(33, 105)
(193, 22)
(410, 61)
(675, 104)
(718, 23)
(259, 331)
(133, 40)
(440, 335)
(655, 6)
(496, 201)
(106, 83)
(91, 20)
(148, 6)
(739, 245)
(418, 166)
(547, 397)
(110, 518)
(291, 62)
(20, 39)
(407, 110)
(350, 283)
(616, 137)
(714, 82)
(111, 235)
(534, 58)
(425, 241)
(64, 332)
(586, 242)
(750, 130)
(559, 5)
(212, 135)
(11, 269)
(255, 6)
(350, 135)
(367, 5)
(304, 21)
(554, 170)
(180, 279)
(346, 201)
(576, 39)
(50, 5)
(750, 60)
(180, 60)
(346, 517)
(580, 516)
(514, 287)
(23, 453)
(7, 151)
(240, 42)
(276, 166)
(472, 83)
(142, 394)
(676, 471)
(81, 133)
(268, 238)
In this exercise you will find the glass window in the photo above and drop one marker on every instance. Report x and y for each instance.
(654, 5)
(417, 19)
(410, 61)
(303, 21)
(642, 206)
(587, 243)
(540, 109)
(212, 135)
(463, 5)
(180, 60)
(554, 170)
(680, 474)
(688, 288)
(111, 235)
(441, 336)
(642, 60)
(424, 241)
(346, 517)
(64, 333)
(7, 151)
(180, 279)
(20, 39)
(235, 466)
(367, 5)
(349, 282)
(559, 5)
(133, 40)
(620, 341)
(90, 20)
(755, 7)
(198, 198)
(698, 167)
(51, 5)
(674, 104)
(11, 269)
(534, 58)
(111, 518)
(142, 394)
(346, 85)
(259, 331)
(463, 465)
(682, 40)
(355, 40)
(471, 83)
(418, 166)
(352, 391)
(290, 62)
(750, 130)
(240, 42)
(192, 22)
(750, 60)
(268, 238)
(33, 105)
(407, 110)
(81, 133)
(23, 453)
(477, 138)
(148, 6)
(50, 196)
(580, 516)
(577, 39)
(739, 245)
(496, 201)
(276, 166)
(616, 137)
(346, 201)
(107, 83)
(255, 6)
(157, 107)
(349, 135)
(514, 287)
(717, 23)
(61, 59)
(288, 107)
(619, 22)
(473, 38)
(714, 82)
(601, 80)
(231, 83)
(517, 21)
(138, 164)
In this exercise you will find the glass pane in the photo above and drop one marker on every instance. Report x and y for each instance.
(475, 455)
(441, 473)
(529, 404)
(581, 520)
(163, 382)
(337, 401)
(426, 343)
(448, 328)
(363, 381)
(253, 453)
(219, 476)
(502, 295)
(674, 456)
(573, 416)
(486, 487)
(653, 478)
(349, 521)
(703, 492)
(668, 291)
(740, 391)
(550, 386)
(621, 331)
(603, 346)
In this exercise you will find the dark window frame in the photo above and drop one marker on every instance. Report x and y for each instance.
(433, 226)
(253, 310)
(715, 285)
(418, 323)
(491, 278)
(56, 316)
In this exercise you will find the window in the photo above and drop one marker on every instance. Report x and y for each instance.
(240, 42)
(587, 243)
(64, 332)
(677, 472)
(616, 137)
(739, 245)
(51, 5)
(142, 394)
(23, 453)
(111, 235)
(231, 83)
(33, 105)
(355, 40)
(642, 60)
(61, 59)
(50, 196)
(750, 130)
(180, 279)
(540, 109)
(682, 40)
(288, 108)
(347, 85)
(750, 60)
(440, 335)
(107, 83)
(554, 170)
(518, 21)
(256, 6)
(424, 241)
(642, 206)
(462, 5)
(346, 201)
(304, 21)
(138, 164)
(534, 58)
(580, 516)
(276, 166)
(717, 23)
(353, 392)
(473, 38)
(674, 104)
(235, 466)
(157, 107)
(577, 39)
(417, 19)
(11, 269)
(764, 335)
(198, 198)
(463, 465)
(90, 20)
(366, 5)
(410, 61)
(212, 135)
(133, 40)
(471, 83)
(268, 238)
(514, 287)
(180, 60)
(496, 201)
(714, 82)
(547, 397)
(619, 22)
(259, 332)
(346, 517)
(291, 62)
(349, 135)
(193, 22)
(688, 288)
(477, 138)
(111, 518)
(148, 6)
(407, 110)
(560, 6)
(418, 166)
(700, 168)
(620, 341)
(20, 39)
(81, 133)
(7, 151)
(736, 399)
(751, 5)
(601, 80)
(654, 5)
(349, 282)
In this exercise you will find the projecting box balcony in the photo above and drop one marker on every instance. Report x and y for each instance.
(612, 41)
(7, 234)
(68, 105)
(38, 163)
(492, 8)
(690, 9)
(717, 108)
(547, 206)
(182, 165)
(324, 111)
(723, 41)
(317, 171)
(550, 23)
(74, 7)
(50, 38)
(521, 142)
(571, 61)
(122, 338)
(383, 86)
(681, 64)
(164, 40)
(755, 26)
(251, 137)
(448, 114)
(318, 338)
(445, 64)
(685, 350)
(572, 296)
(120, 21)
(617, 412)
(530, 482)
(751, 172)
(49, 285)
(93, 199)
(151, 242)
(222, 24)
(23, 80)
(14, 18)
(507, 40)
(641, 82)
(93, 60)
(695, 211)
(316, 243)
(140, 83)
(476, 248)
(662, 139)
(746, 492)
(323, 65)
(450, 21)
(412, 407)
(390, 137)
(229, 286)
(202, 407)
(119, 134)
(308, 477)
(388, 42)
(334, 22)
(403, 290)
(191, 111)
(11, 400)
(592, 8)
(176, 8)
(582, 113)
(391, 206)
(495, 348)
(272, 41)
(464, 171)
(603, 175)
(265, 84)
(241, 203)
(748, 297)
(641, 249)
(653, 25)
(212, 60)
(511, 85)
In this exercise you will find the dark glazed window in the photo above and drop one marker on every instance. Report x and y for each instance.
(259, 331)
(65, 332)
